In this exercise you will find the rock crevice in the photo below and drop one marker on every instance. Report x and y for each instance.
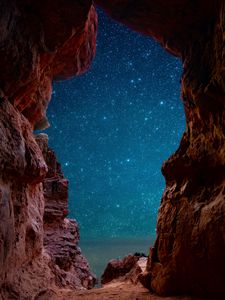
(45, 40)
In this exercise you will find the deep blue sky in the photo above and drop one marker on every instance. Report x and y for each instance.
(113, 127)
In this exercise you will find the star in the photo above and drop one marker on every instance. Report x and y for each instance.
(112, 128)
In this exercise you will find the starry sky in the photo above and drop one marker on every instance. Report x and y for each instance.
(113, 127)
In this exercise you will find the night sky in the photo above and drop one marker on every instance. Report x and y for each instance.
(113, 127)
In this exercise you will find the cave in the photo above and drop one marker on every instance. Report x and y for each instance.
(46, 41)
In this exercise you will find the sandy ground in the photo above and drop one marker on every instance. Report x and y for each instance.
(115, 291)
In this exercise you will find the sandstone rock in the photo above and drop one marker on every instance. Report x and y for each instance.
(42, 40)
(33, 52)
(33, 259)
(23, 266)
(61, 235)
(127, 269)
(174, 25)
(20, 157)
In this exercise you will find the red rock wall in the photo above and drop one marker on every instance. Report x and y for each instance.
(189, 251)
(21, 207)
(40, 41)
(45, 40)
(173, 24)
(61, 235)
(188, 256)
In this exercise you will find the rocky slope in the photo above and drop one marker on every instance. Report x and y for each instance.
(45, 40)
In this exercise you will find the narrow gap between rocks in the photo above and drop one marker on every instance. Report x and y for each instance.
(111, 129)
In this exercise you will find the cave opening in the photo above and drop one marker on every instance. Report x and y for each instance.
(112, 128)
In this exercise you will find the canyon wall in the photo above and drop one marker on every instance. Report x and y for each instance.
(61, 235)
(40, 41)
(45, 40)
(188, 255)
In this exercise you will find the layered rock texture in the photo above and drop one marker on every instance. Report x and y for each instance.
(40, 41)
(61, 235)
(188, 256)
(23, 265)
(38, 244)
(45, 40)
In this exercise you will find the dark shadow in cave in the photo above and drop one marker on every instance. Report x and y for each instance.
(112, 128)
